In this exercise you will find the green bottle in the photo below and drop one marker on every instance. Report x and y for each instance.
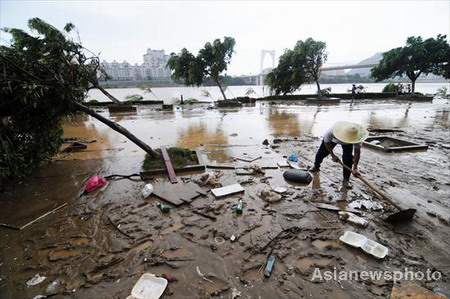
(164, 208)
(240, 207)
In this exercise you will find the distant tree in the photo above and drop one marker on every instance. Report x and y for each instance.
(315, 56)
(289, 75)
(211, 61)
(298, 66)
(43, 77)
(430, 56)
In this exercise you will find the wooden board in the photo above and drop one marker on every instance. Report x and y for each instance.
(172, 176)
(335, 208)
(177, 194)
(227, 190)
(283, 163)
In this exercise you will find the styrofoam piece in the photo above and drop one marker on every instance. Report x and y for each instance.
(353, 239)
(369, 246)
(227, 190)
(149, 287)
(375, 249)
(147, 191)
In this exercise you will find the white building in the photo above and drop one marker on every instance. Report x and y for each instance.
(153, 68)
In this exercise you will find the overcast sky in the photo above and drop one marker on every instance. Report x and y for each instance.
(123, 30)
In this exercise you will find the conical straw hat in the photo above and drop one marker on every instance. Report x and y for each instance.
(349, 132)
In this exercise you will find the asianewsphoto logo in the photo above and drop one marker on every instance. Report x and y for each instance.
(398, 275)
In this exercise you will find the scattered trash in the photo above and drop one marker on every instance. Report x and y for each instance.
(148, 190)
(37, 279)
(293, 158)
(239, 207)
(148, 287)
(297, 176)
(359, 241)
(169, 277)
(93, 183)
(279, 190)
(232, 238)
(369, 205)
(163, 207)
(257, 168)
(219, 240)
(203, 276)
(352, 218)
(209, 178)
(235, 293)
(265, 142)
(227, 190)
(269, 266)
(55, 287)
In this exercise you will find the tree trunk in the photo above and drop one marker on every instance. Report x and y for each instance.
(319, 93)
(117, 128)
(220, 87)
(110, 96)
(413, 86)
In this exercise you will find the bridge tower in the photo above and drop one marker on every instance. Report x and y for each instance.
(263, 54)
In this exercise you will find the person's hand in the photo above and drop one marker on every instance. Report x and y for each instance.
(356, 172)
(335, 158)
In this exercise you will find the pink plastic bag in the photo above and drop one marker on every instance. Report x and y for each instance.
(94, 183)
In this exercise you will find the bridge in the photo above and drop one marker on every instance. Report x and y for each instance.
(349, 66)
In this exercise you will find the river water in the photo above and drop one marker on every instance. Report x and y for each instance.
(212, 93)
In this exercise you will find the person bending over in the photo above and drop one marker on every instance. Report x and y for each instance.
(350, 136)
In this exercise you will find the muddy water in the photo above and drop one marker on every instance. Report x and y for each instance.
(98, 245)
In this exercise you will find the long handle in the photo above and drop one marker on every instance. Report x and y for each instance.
(371, 186)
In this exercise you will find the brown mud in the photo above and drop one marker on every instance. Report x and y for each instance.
(101, 243)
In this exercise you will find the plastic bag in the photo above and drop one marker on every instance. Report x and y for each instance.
(293, 158)
(148, 189)
(93, 183)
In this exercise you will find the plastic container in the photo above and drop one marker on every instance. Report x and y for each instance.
(147, 191)
(148, 287)
(369, 246)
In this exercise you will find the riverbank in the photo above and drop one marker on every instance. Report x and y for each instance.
(81, 248)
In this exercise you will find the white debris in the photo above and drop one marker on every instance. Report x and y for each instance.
(369, 205)
(37, 279)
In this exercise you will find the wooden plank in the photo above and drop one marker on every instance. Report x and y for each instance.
(227, 190)
(172, 176)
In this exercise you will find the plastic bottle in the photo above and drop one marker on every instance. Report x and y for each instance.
(269, 266)
(240, 207)
(164, 208)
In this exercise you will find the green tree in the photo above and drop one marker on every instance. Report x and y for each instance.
(298, 66)
(43, 77)
(417, 57)
(314, 57)
(211, 61)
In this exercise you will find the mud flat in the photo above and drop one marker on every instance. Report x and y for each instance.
(99, 244)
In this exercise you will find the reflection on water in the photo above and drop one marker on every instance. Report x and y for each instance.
(283, 123)
(249, 126)
(198, 133)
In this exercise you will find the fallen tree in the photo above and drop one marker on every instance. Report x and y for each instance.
(44, 77)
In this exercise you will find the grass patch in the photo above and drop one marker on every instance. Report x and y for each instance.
(179, 156)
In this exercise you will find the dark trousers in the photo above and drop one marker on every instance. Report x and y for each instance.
(347, 156)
